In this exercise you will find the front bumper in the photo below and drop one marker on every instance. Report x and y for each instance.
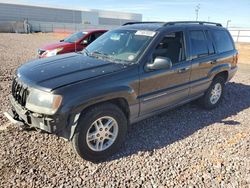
(56, 124)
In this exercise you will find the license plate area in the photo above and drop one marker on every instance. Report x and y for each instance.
(22, 113)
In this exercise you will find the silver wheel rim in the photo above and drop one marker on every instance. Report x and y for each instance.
(102, 133)
(216, 93)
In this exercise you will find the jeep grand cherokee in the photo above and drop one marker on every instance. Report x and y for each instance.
(126, 75)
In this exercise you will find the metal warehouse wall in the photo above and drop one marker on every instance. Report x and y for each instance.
(11, 12)
(49, 19)
(65, 27)
(113, 21)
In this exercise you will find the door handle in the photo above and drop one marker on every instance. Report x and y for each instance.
(213, 62)
(182, 70)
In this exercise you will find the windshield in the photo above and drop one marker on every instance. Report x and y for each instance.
(75, 37)
(123, 46)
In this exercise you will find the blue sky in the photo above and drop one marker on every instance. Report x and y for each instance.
(167, 10)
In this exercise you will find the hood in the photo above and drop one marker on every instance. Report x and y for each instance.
(55, 45)
(62, 70)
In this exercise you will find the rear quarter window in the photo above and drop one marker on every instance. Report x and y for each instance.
(222, 41)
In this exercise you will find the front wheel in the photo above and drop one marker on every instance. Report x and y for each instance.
(100, 132)
(214, 94)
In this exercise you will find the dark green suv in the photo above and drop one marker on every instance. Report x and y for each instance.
(126, 75)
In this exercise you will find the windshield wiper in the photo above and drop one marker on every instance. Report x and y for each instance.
(99, 53)
(108, 57)
(84, 51)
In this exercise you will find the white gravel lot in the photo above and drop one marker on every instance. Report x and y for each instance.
(184, 147)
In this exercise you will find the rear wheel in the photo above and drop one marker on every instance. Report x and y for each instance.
(214, 94)
(100, 132)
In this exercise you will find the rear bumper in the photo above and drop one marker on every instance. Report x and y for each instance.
(231, 73)
(56, 124)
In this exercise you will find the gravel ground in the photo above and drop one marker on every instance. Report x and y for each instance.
(185, 147)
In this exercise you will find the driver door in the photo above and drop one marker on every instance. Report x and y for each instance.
(164, 88)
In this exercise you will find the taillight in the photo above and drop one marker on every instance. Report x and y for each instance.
(236, 58)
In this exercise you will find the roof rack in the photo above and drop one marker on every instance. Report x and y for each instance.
(174, 23)
(131, 23)
(192, 22)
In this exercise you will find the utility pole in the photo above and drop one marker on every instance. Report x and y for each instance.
(197, 8)
(228, 21)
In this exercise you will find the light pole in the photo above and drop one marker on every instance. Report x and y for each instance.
(228, 21)
(197, 8)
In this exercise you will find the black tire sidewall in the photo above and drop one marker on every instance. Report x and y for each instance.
(79, 138)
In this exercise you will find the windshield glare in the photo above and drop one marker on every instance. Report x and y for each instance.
(75, 37)
(120, 45)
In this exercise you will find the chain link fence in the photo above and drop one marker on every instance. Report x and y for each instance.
(240, 35)
(48, 27)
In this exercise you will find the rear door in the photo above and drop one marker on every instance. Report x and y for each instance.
(203, 58)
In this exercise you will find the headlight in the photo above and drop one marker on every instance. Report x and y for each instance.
(50, 53)
(43, 102)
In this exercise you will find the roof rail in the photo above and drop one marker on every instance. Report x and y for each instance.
(192, 22)
(131, 23)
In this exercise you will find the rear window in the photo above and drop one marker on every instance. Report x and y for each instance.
(222, 40)
(198, 43)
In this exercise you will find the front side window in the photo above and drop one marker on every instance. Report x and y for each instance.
(222, 40)
(75, 37)
(91, 38)
(94, 36)
(172, 47)
(198, 44)
(123, 46)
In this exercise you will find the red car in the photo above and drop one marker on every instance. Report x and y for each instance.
(75, 42)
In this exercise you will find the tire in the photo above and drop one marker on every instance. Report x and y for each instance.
(88, 125)
(206, 100)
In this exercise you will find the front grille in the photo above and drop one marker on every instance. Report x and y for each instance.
(40, 52)
(19, 92)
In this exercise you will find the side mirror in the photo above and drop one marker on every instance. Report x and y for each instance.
(160, 63)
(62, 40)
(85, 42)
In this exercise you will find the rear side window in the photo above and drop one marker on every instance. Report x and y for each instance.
(222, 41)
(98, 34)
(210, 43)
(198, 44)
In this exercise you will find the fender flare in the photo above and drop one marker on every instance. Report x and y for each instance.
(125, 93)
(217, 69)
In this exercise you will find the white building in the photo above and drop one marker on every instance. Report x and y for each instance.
(49, 19)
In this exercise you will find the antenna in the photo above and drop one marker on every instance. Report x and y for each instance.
(74, 22)
(228, 21)
(197, 9)
(75, 46)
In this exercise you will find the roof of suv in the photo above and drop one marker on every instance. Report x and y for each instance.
(154, 26)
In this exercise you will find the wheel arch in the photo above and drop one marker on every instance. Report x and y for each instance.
(223, 74)
(120, 102)
(221, 70)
